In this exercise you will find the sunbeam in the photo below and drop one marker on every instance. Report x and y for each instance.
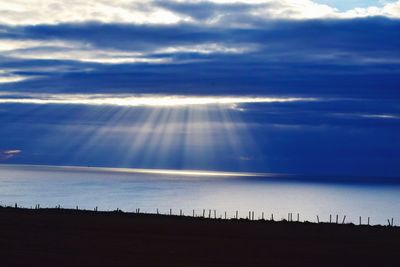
(149, 131)
(185, 136)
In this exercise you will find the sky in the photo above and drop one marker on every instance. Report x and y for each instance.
(300, 87)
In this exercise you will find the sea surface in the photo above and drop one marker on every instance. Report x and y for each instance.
(110, 189)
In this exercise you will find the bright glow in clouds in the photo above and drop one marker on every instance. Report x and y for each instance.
(68, 50)
(139, 100)
(380, 116)
(11, 79)
(84, 52)
(209, 48)
(7, 77)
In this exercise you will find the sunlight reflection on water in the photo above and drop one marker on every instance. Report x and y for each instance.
(51, 186)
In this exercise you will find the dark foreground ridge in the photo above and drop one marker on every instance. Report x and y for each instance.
(62, 237)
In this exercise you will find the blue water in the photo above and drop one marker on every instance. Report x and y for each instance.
(109, 190)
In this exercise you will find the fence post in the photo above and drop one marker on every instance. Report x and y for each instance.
(170, 212)
(298, 217)
(317, 219)
(225, 215)
(337, 219)
(193, 213)
(344, 218)
(360, 220)
(204, 213)
(262, 216)
(237, 215)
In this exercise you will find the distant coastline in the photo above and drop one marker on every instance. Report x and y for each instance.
(347, 179)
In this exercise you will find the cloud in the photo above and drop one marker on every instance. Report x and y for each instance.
(279, 72)
(381, 116)
(69, 50)
(223, 11)
(391, 10)
(86, 52)
(208, 48)
(36, 12)
(9, 77)
(139, 100)
(217, 12)
(280, 39)
(7, 154)
(275, 58)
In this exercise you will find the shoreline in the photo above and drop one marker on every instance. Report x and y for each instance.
(65, 237)
(209, 215)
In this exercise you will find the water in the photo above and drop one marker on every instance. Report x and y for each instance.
(109, 190)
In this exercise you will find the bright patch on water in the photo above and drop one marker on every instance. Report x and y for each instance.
(109, 190)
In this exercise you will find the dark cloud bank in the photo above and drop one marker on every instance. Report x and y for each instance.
(361, 56)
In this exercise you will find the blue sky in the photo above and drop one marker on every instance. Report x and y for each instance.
(257, 86)
(350, 4)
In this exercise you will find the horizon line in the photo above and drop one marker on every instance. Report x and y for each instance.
(180, 172)
(219, 173)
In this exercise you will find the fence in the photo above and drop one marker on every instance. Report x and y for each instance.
(213, 214)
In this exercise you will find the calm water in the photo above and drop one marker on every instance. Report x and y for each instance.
(68, 187)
